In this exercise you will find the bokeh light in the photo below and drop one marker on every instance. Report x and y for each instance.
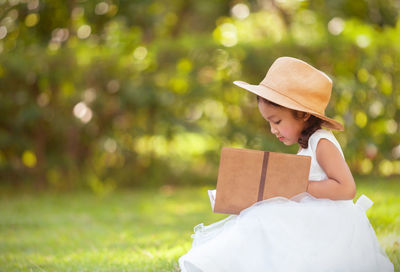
(59, 35)
(363, 41)
(336, 26)
(113, 86)
(110, 145)
(101, 8)
(396, 152)
(226, 34)
(84, 31)
(32, 4)
(29, 158)
(3, 32)
(89, 95)
(361, 119)
(32, 19)
(386, 168)
(83, 112)
(140, 53)
(376, 109)
(240, 11)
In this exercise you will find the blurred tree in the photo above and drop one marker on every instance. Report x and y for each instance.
(113, 93)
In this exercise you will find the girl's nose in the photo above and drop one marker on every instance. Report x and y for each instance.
(273, 130)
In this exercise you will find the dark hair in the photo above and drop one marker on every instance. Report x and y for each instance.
(312, 124)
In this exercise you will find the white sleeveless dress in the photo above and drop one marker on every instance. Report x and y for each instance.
(299, 234)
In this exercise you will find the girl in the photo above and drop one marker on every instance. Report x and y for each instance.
(320, 230)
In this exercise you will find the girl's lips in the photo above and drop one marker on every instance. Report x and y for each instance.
(281, 138)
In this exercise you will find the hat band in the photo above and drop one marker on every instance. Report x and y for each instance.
(310, 110)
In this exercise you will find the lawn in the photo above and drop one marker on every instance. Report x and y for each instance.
(135, 230)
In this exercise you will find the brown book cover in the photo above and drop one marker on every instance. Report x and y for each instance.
(247, 176)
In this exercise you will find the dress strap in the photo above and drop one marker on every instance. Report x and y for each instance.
(364, 203)
(323, 134)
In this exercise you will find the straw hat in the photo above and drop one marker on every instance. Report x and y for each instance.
(296, 85)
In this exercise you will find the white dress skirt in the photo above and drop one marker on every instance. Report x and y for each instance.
(303, 233)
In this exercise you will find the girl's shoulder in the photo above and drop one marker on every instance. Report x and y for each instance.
(322, 134)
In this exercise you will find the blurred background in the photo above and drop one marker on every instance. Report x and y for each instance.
(113, 94)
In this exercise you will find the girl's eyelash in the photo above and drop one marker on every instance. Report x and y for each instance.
(277, 123)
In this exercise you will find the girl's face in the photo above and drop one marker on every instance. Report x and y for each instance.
(282, 122)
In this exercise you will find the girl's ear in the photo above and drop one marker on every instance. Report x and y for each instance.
(306, 116)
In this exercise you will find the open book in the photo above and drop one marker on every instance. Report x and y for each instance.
(247, 176)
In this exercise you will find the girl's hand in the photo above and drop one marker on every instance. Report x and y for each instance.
(340, 183)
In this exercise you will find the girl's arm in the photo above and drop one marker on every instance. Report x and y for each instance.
(340, 184)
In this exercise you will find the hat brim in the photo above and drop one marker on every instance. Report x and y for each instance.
(276, 97)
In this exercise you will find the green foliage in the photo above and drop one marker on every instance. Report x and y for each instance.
(110, 93)
(141, 230)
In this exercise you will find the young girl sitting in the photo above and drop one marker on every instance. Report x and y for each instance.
(320, 230)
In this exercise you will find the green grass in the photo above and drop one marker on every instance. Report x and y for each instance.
(141, 230)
